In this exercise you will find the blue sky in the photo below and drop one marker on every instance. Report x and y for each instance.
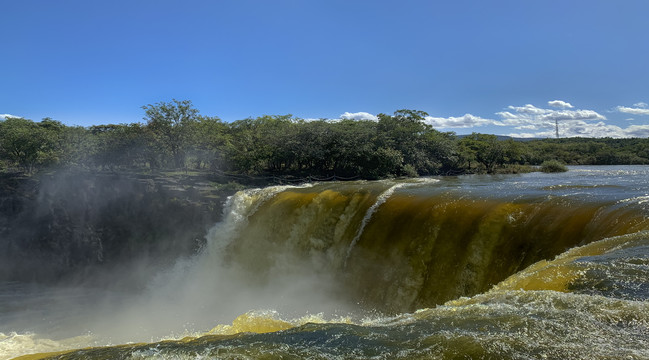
(505, 67)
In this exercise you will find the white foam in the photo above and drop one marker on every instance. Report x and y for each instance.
(14, 344)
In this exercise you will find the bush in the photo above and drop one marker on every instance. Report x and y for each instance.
(553, 166)
(409, 171)
(515, 169)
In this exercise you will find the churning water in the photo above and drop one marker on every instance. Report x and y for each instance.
(513, 266)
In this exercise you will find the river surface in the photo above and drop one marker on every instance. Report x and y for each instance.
(529, 266)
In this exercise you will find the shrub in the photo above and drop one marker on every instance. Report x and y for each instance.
(553, 166)
(409, 171)
(515, 169)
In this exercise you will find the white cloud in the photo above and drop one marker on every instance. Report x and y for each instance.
(528, 109)
(531, 117)
(530, 121)
(560, 104)
(638, 110)
(465, 121)
(524, 135)
(359, 116)
(533, 121)
(599, 129)
(591, 130)
(576, 129)
(572, 115)
(540, 122)
(528, 127)
(638, 131)
(6, 116)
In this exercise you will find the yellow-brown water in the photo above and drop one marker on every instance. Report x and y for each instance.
(521, 266)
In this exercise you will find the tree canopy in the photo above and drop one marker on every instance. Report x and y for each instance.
(174, 136)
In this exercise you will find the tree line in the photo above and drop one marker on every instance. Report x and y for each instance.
(175, 136)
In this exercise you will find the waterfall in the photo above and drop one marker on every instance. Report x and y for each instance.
(382, 198)
(238, 208)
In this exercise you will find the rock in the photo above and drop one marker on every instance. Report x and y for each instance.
(72, 225)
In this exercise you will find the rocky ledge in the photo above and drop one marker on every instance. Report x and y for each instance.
(72, 225)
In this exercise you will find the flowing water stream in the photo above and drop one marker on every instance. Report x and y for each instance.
(514, 266)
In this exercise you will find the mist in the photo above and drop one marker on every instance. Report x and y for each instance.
(74, 227)
(145, 296)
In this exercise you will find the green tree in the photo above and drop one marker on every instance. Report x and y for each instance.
(443, 152)
(314, 147)
(123, 145)
(486, 149)
(210, 142)
(172, 124)
(78, 146)
(404, 131)
(274, 140)
(265, 144)
(29, 144)
(54, 141)
(355, 151)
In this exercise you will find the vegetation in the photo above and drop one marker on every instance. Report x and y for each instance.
(553, 166)
(175, 137)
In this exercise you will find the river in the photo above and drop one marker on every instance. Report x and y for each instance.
(521, 266)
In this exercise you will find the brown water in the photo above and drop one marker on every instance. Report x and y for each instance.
(517, 266)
